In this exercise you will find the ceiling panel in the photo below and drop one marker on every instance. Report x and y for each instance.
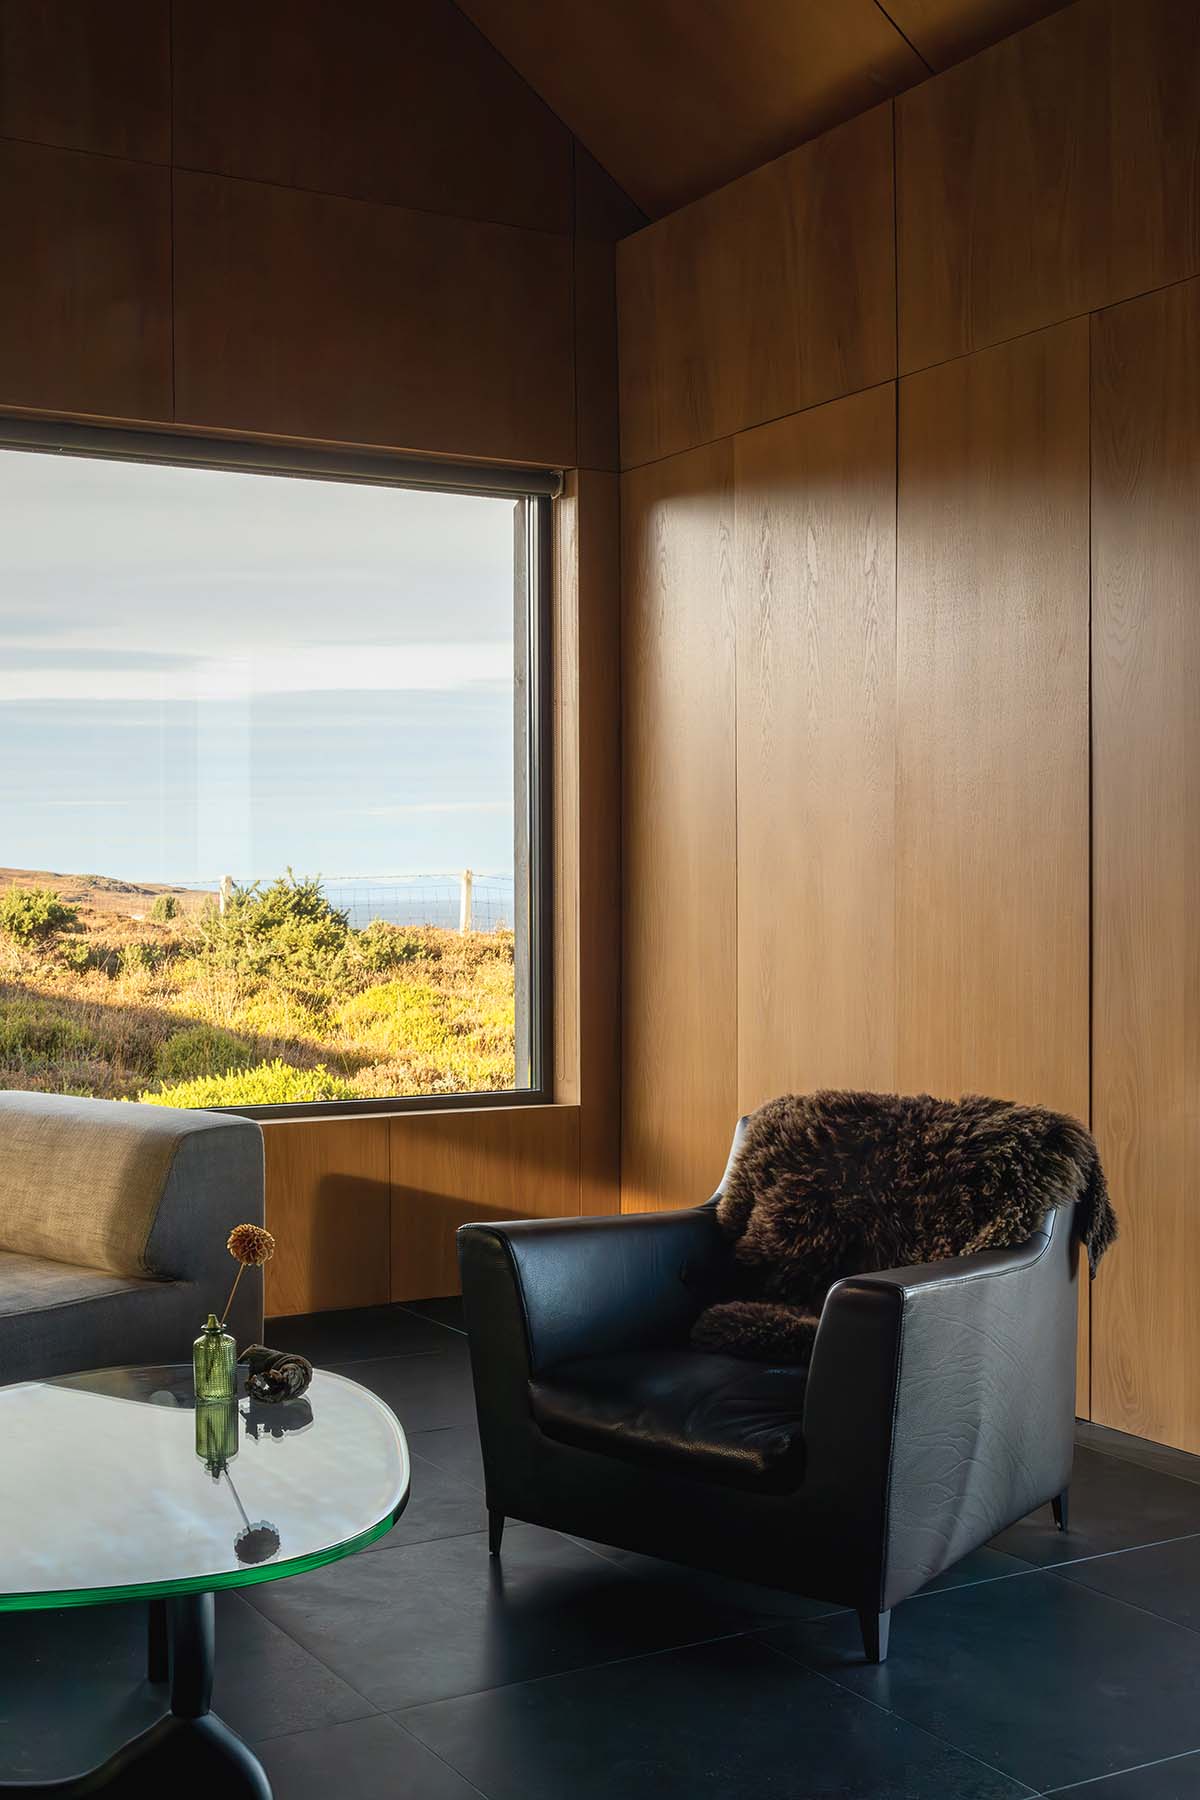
(677, 97)
(946, 31)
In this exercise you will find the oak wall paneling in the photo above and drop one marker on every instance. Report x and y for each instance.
(679, 1095)
(85, 303)
(776, 293)
(88, 77)
(404, 104)
(452, 1168)
(814, 505)
(992, 904)
(1051, 175)
(309, 315)
(329, 1206)
(992, 746)
(1146, 735)
(587, 826)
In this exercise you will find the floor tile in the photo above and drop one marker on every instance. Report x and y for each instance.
(725, 1719)
(359, 1332)
(744, 1601)
(1139, 1450)
(266, 1685)
(985, 1564)
(371, 1759)
(440, 1505)
(447, 1312)
(1037, 1676)
(1178, 1778)
(1164, 1579)
(424, 1392)
(430, 1620)
(96, 1655)
(1115, 1504)
(454, 1448)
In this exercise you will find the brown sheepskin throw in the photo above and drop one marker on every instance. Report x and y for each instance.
(830, 1184)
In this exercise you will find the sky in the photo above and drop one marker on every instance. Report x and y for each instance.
(207, 673)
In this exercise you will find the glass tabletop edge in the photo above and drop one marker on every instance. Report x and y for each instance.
(46, 1600)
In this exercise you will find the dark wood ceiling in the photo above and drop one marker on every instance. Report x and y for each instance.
(677, 97)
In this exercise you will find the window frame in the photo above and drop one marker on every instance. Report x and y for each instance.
(538, 488)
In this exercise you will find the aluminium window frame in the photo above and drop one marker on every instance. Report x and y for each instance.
(538, 488)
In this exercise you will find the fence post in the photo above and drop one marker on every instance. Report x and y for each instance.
(224, 892)
(466, 882)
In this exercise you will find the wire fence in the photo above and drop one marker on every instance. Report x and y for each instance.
(461, 901)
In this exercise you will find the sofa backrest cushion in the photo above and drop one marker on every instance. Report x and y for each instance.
(81, 1180)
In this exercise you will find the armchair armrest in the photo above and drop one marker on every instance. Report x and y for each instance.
(554, 1289)
(940, 1403)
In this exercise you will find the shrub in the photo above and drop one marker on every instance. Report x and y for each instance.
(380, 946)
(165, 907)
(267, 1084)
(398, 1016)
(32, 915)
(199, 1051)
(140, 956)
(34, 1033)
(288, 930)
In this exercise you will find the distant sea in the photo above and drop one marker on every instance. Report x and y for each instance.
(411, 899)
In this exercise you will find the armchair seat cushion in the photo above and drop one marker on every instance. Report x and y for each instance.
(711, 1418)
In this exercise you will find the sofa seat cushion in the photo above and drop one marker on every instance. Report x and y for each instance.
(713, 1418)
(33, 1283)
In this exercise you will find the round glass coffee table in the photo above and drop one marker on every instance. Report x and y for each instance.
(116, 1485)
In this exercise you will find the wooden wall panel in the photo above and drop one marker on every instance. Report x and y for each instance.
(776, 293)
(676, 99)
(679, 1100)
(1050, 176)
(603, 214)
(992, 748)
(85, 303)
(454, 1167)
(405, 104)
(587, 826)
(87, 77)
(992, 905)
(815, 511)
(1146, 649)
(329, 1205)
(312, 316)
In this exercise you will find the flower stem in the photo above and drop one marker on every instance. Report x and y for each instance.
(232, 1292)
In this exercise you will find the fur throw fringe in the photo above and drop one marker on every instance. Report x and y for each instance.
(832, 1184)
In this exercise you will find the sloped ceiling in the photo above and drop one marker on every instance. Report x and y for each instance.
(677, 97)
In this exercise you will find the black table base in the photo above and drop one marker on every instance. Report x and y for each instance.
(187, 1752)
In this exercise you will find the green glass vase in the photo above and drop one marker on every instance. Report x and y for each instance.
(216, 1434)
(214, 1362)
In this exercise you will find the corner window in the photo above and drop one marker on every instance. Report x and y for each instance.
(272, 804)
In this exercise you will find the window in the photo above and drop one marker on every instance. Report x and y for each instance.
(270, 817)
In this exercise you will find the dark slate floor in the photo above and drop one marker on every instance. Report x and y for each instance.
(418, 1671)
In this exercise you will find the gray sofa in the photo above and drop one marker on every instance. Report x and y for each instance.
(113, 1221)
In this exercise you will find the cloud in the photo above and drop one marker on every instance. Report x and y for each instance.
(432, 806)
(299, 669)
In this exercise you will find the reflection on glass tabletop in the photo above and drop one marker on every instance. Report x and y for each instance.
(115, 1485)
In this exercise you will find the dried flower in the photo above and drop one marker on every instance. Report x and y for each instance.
(251, 1244)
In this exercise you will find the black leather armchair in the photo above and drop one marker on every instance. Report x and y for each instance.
(938, 1409)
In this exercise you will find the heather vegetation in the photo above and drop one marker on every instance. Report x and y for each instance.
(127, 993)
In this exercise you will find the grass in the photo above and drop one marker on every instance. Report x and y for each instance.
(277, 1001)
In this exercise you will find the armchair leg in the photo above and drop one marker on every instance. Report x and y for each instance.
(495, 1531)
(1060, 1509)
(875, 1628)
